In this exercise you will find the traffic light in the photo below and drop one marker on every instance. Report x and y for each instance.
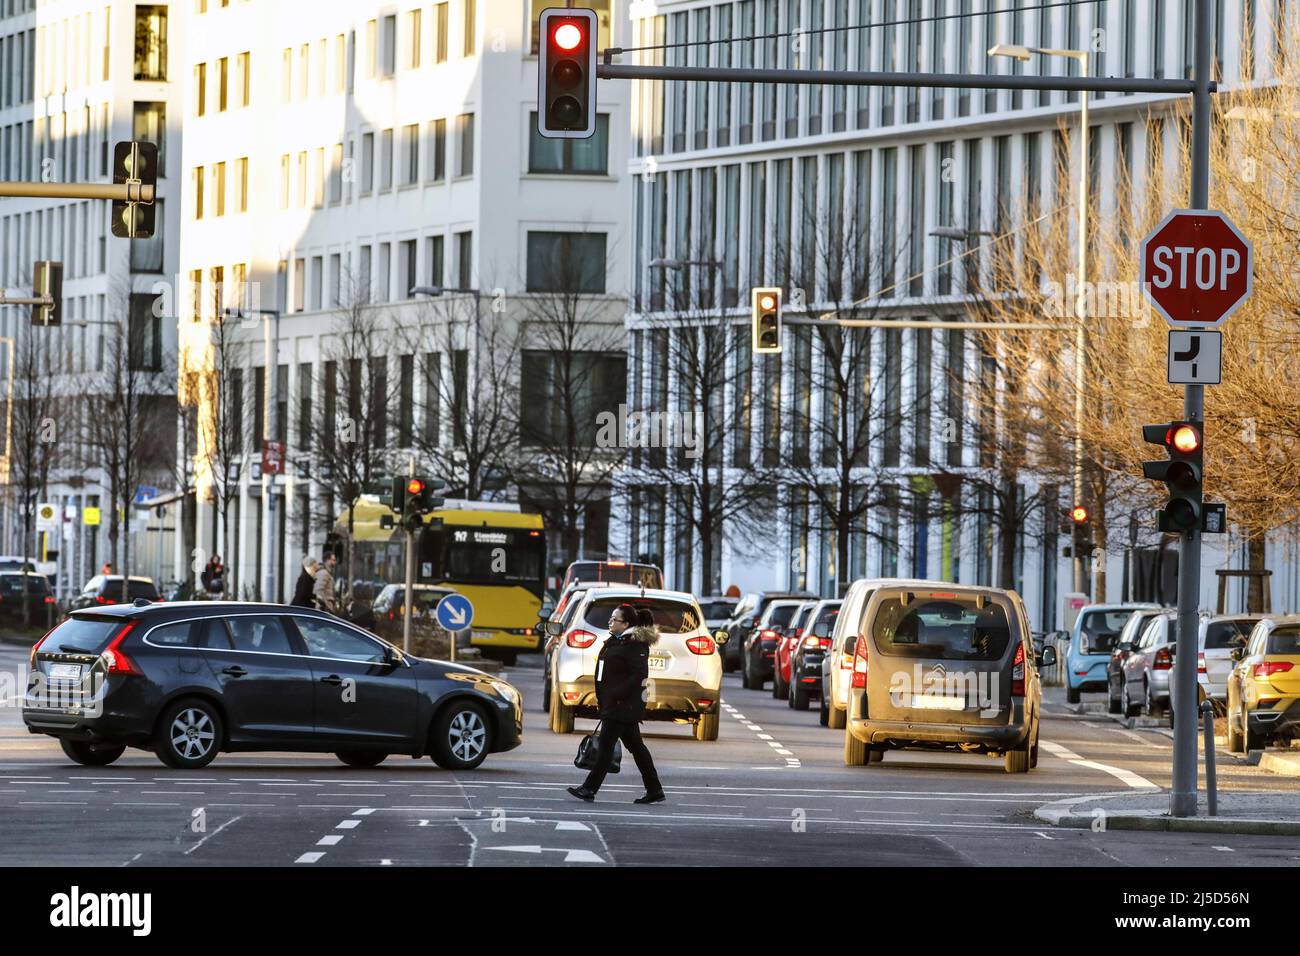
(1182, 473)
(566, 74)
(47, 280)
(766, 320)
(415, 497)
(134, 163)
(1081, 536)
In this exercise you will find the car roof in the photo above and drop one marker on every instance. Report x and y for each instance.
(946, 586)
(633, 593)
(161, 609)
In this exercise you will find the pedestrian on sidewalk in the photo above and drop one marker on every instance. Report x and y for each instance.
(622, 669)
(306, 583)
(323, 589)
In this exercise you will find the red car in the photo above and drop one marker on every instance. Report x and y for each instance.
(785, 646)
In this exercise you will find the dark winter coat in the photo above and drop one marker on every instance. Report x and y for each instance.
(302, 590)
(622, 668)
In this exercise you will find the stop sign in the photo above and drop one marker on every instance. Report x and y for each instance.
(1196, 267)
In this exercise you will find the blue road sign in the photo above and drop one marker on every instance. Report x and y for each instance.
(454, 612)
(145, 493)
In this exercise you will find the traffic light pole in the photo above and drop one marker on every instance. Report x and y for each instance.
(1182, 797)
(120, 192)
(409, 592)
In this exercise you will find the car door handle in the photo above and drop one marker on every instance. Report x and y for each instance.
(332, 679)
(235, 671)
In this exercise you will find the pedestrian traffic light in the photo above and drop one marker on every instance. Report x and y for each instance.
(1182, 473)
(566, 74)
(766, 320)
(47, 281)
(134, 164)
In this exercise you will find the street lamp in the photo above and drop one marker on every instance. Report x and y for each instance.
(271, 344)
(1023, 53)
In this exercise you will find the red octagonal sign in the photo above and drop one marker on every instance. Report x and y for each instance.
(1196, 267)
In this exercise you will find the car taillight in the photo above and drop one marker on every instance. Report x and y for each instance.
(31, 659)
(1163, 660)
(49, 599)
(580, 638)
(701, 645)
(1018, 672)
(1200, 664)
(704, 702)
(811, 641)
(1267, 668)
(846, 661)
(767, 634)
(100, 599)
(824, 642)
(860, 662)
(115, 660)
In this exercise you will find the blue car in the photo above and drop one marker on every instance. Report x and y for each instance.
(1096, 630)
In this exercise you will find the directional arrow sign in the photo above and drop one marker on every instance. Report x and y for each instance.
(454, 612)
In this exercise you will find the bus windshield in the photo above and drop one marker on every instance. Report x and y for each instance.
(503, 556)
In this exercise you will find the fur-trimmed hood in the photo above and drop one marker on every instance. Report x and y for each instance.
(642, 635)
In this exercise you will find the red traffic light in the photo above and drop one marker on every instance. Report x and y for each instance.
(767, 302)
(414, 487)
(1079, 514)
(1184, 438)
(567, 36)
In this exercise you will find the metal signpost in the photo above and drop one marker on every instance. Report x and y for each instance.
(455, 614)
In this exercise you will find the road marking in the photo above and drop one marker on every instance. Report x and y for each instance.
(210, 835)
(133, 859)
(331, 840)
(764, 736)
(309, 858)
(1136, 781)
(1224, 849)
(385, 862)
(364, 812)
(347, 824)
(1044, 835)
(572, 825)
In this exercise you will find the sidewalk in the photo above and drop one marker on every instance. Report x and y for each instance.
(1268, 813)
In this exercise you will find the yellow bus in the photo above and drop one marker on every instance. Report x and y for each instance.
(491, 552)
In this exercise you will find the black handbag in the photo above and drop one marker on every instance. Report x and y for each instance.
(589, 752)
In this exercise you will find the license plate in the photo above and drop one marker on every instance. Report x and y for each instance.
(69, 672)
(937, 702)
(482, 635)
(658, 663)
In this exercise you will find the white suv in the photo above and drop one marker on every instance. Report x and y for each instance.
(685, 669)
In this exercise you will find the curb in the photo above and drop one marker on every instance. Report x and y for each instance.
(1286, 765)
(1170, 824)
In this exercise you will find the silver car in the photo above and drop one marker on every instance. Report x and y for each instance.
(1145, 687)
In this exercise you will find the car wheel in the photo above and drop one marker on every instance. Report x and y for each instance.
(1018, 760)
(745, 682)
(1113, 705)
(799, 697)
(706, 728)
(875, 755)
(780, 689)
(823, 713)
(1254, 740)
(1071, 694)
(1130, 709)
(189, 734)
(92, 755)
(460, 736)
(1235, 743)
(361, 759)
(546, 696)
(855, 751)
(836, 719)
(1033, 751)
(561, 713)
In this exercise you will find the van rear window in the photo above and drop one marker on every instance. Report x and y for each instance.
(1222, 635)
(81, 635)
(944, 629)
(1284, 640)
(672, 617)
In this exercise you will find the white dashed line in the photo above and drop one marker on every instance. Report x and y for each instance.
(331, 840)
(347, 824)
(309, 858)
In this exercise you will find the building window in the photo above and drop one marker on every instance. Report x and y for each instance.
(223, 83)
(410, 154)
(242, 79)
(571, 156)
(465, 144)
(302, 179)
(386, 159)
(145, 334)
(413, 39)
(372, 48)
(559, 385)
(566, 262)
(440, 32)
(197, 182)
(390, 45)
(147, 254)
(434, 261)
(470, 6)
(149, 124)
(200, 89)
(437, 162)
(219, 187)
(406, 276)
(405, 400)
(465, 260)
(367, 162)
(150, 42)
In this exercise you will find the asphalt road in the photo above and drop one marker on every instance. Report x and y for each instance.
(772, 790)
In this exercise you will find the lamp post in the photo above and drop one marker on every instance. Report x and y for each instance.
(1023, 53)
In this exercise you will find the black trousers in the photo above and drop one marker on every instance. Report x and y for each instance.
(628, 731)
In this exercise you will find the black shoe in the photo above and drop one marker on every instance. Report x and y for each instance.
(582, 793)
(652, 798)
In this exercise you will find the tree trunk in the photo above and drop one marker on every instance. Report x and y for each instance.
(1255, 585)
(1009, 525)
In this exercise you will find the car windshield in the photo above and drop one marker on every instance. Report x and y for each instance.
(717, 610)
(825, 622)
(672, 617)
(81, 635)
(645, 575)
(1100, 630)
(949, 628)
(12, 584)
(1285, 641)
(780, 615)
(1224, 635)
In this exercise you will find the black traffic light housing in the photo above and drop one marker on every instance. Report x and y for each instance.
(414, 497)
(1182, 473)
(134, 163)
(1080, 524)
(566, 73)
(47, 280)
(766, 320)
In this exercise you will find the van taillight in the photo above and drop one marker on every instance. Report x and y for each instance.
(1018, 672)
(701, 645)
(1163, 660)
(580, 638)
(860, 662)
(115, 660)
(1200, 664)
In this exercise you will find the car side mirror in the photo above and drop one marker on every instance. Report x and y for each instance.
(721, 637)
(1048, 656)
(1124, 647)
(552, 628)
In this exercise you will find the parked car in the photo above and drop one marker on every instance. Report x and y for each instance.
(1128, 637)
(806, 658)
(748, 612)
(1145, 684)
(685, 670)
(19, 589)
(788, 636)
(1220, 636)
(760, 646)
(193, 679)
(718, 610)
(1264, 687)
(945, 667)
(106, 589)
(614, 572)
(837, 664)
(389, 607)
(1095, 634)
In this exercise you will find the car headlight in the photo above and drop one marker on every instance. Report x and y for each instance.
(506, 691)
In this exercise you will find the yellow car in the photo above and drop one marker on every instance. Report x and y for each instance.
(1264, 687)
